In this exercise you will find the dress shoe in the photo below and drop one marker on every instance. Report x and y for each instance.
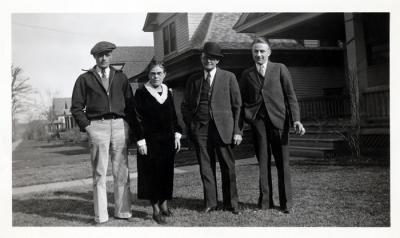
(95, 223)
(234, 210)
(160, 219)
(286, 210)
(209, 209)
(167, 213)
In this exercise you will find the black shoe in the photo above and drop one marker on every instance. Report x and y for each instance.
(234, 210)
(209, 209)
(285, 210)
(167, 213)
(160, 219)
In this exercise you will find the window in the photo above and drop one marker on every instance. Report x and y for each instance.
(169, 38)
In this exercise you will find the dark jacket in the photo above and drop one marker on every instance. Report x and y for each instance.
(225, 103)
(275, 91)
(90, 99)
(153, 119)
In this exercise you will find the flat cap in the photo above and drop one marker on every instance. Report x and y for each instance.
(102, 46)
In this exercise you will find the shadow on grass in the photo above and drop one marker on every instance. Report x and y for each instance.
(65, 205)
(73, 152)
(49, 146)
(192, 204)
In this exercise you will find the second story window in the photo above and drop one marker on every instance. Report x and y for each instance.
(169, 38)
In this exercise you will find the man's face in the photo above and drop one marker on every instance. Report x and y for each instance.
(261, 53)
(103, 59)
(209, 62)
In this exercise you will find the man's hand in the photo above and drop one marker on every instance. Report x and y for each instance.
(142, 149)
(298, 128)
(177, 144)
(237, 139)
(88, 128)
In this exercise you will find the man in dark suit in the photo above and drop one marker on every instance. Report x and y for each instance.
(269, 106)
(211, 111)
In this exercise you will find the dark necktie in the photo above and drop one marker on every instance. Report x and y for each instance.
(262, 70)
(103, 74)
(104, 78)
(208, 78)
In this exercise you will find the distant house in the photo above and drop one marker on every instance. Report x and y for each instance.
(60, 115)
(179, 38)
(364, 63)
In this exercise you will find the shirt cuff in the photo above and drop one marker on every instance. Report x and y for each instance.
(178, 135)
(141, 142)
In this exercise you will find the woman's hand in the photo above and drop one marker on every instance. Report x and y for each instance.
(143, 149)
(177, 144)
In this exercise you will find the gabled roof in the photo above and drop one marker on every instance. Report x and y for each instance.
(134, 58)
(217, 27)
(61, 105)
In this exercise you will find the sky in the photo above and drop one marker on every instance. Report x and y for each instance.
(52, 48)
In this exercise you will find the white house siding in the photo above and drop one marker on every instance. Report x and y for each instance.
(309, 81)
(182, 31)
(182, 34)
(194, 20)
(158, 45)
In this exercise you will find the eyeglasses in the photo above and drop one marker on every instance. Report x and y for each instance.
(209, 57)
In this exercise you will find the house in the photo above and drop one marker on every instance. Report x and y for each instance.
(365, 65)
(132, 60)
(60, 116)
(179, 38)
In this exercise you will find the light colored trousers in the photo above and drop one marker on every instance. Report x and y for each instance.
(110, 137)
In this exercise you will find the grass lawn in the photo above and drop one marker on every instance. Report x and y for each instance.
(324, 195)
(35, 162)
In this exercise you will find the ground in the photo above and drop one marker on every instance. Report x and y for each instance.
(331, 195)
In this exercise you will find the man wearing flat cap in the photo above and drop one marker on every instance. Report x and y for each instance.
(211, 110)
(99, 100)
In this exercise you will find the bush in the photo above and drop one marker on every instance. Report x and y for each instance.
(73, 135)
(36, 130)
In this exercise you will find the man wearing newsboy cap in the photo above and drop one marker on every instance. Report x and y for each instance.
(99, 100)
(211, 110)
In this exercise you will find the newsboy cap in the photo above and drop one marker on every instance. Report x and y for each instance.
(213, 49)
(102, 46)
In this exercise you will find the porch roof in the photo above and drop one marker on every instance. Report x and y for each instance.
(312, 25)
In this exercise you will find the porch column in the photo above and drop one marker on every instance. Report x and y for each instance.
(356, 57)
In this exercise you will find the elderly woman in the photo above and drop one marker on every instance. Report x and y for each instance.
(158, 138)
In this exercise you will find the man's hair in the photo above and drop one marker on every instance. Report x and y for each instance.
(261, 40)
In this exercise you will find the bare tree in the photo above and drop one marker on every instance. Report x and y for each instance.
(21, 91)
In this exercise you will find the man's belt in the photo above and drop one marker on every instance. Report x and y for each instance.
(106, 117)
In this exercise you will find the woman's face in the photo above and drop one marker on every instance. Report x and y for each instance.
(156, 76)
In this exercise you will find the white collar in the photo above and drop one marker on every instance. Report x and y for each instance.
(212, 74)
(160, 98)
(259, 65)
(107, 70)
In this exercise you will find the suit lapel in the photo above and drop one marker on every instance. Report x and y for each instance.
(255, 77)
(268, 74)
(198, 83)
(216, 83)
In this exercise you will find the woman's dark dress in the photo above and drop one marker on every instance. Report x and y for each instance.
(157, 124)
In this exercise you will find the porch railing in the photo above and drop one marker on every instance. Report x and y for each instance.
(324, 107)
(376, 104)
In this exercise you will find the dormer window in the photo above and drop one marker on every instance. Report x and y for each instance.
(169, 38)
